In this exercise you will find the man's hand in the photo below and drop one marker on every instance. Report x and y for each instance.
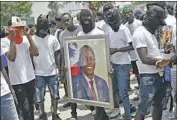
(27, 32)
(110, 74)
(12, 31)
(170, 49)
(163, 63)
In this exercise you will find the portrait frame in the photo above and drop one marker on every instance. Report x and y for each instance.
(89, 39)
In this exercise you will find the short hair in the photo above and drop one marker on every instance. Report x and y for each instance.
(58, 17)
(66, 14)
(170, 9)
(81, 61)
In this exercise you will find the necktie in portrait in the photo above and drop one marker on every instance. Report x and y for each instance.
(92, 90)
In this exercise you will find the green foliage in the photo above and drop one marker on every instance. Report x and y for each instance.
(98, 4)
(55, 8)
(20, 9)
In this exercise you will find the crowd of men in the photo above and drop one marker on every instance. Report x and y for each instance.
(35, 59)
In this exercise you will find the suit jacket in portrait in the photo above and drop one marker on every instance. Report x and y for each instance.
(81, 88)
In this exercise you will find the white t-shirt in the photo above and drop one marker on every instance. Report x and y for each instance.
(136, 23)
(95, 31)
(4, 86)
(146, 39)
(120, 39)
(170, 20)
(21, 70)
(67, 33)
(45, 63)
(103, 26)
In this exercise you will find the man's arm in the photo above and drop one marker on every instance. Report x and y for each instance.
(11, 54)
(57, 59)
(142, 52)
(33, 48)
(123, 49)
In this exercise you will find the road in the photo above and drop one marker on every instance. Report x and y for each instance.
(82, 111)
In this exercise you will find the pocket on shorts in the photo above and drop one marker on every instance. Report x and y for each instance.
(147, 80)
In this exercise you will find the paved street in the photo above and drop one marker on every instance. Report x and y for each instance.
(83, 112)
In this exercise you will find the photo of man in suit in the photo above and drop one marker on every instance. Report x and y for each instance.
(86, 85)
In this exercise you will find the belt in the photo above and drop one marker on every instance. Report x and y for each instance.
(161, 74)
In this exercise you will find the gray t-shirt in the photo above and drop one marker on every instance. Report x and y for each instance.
(67, 33)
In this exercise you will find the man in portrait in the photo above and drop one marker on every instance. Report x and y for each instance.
(85, 84)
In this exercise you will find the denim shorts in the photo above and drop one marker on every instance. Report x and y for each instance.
(154, 91)
(40, 87)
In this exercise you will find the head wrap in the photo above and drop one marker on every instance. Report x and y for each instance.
(87, 15)
(42, 26)
(127, 9)
(113, 19)
(137, 13)
(154, 18)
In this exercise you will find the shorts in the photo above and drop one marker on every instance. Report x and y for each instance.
(40, 87)
(153, 92)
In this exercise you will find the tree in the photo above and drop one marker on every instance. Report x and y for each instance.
(9, 9)
(95, 5)
(55, 8)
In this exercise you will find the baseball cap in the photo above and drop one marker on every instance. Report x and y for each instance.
(159, 13)
(16, 22)
(157, 3)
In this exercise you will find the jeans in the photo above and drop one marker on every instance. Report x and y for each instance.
(40, 87)
(153, 91)
(8, 109)
(25, 94)
(121, 77)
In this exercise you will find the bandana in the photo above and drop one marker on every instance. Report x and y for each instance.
(18, 35)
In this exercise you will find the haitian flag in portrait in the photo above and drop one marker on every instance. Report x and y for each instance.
(74, 58)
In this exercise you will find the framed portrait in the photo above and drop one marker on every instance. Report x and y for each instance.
(88, 65)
